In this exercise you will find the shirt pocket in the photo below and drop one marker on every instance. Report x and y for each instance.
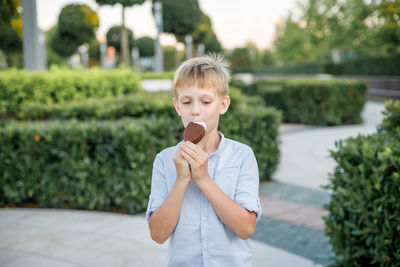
(227, 179)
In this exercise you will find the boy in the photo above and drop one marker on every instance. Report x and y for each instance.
(204, 196)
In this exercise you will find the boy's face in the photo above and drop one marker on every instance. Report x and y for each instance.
(194, 104)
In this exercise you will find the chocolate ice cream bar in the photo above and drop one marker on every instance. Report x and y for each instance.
(194, 132)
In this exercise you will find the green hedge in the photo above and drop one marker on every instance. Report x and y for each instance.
(157, 75)
(101, 165)
(383, 65)
(316, 102)
(133, 105)
(106, 165)
(60, 85)
(243, 109)
(364, 213)
(386, 65)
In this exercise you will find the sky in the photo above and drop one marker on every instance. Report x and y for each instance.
(235, 22)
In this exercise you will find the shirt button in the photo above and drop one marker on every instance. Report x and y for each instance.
(205, 246)
(230, 175)
(204, 218)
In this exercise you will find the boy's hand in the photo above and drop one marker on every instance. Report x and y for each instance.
(183, 172)
(197, 158)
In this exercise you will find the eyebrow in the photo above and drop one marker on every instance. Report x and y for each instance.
(204, 95)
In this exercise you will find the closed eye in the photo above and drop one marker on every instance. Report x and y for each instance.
(186, 103)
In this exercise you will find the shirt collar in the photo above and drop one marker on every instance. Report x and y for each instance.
(221, 144)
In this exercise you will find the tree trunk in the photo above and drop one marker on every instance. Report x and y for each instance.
(124, 41)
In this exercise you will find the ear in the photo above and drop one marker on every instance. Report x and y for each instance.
(226, 101)
(176, 106)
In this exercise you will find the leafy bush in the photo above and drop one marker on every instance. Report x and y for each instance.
(60, 85)
(364, 213)
(157, 75)
(382, 65)
(317, 102)
(106, 165)
(376, 65)
(134, 105)
(101, 165)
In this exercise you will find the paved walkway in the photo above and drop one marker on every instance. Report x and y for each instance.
(290, 232)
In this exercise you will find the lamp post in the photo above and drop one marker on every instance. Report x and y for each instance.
(34, 45)
(159, 56)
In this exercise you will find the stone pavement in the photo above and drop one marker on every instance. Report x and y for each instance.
(290, 232)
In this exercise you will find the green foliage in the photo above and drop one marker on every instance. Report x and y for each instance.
(392, 117)
(59, 85)
(53, 58)
(157, 75)
(146, 46)
(10, 41)
(125, 3)
(363, 28)
(291, 42)
(315, 102)
(106, 165)
(181, 17)
(8, 10)
(373, 65)
(170, 58)
(97, 165)
(245, 59)
(364, 213)
(110, 108)
(76, 26)
(114, 38)
(205, 35)
(378, 65)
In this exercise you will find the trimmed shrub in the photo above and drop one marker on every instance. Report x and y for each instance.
(97, 165)
(382, 65)
(316, 102)
(134, 105)
(106, 165)
(364, 213)
(157, 75)
(386, 65)
(60, 85)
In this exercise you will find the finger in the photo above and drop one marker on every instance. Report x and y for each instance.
(195, 148)
(190, 151)
(188, 158)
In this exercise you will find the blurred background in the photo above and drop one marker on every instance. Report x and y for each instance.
(286, 37)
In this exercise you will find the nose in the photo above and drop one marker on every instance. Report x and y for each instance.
(195, 109)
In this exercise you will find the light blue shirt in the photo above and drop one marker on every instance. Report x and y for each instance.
(200, 237)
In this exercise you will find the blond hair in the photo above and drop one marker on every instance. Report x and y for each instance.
(210, 71)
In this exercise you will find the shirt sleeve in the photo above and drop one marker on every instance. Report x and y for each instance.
(246, 193)
(159, 189)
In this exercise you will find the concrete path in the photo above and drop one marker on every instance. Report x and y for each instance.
(70, 238)
(305, 159)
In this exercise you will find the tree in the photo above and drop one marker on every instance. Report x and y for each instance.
(124, 36)
(114, 38)
(204, 34)
(181, 17)
(360, 27)
(291, 42)
(76, 25)
(11, 32)
(10, 26)
(146, 46)
(248, 57)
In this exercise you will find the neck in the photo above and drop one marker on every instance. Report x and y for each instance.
(210, 142)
